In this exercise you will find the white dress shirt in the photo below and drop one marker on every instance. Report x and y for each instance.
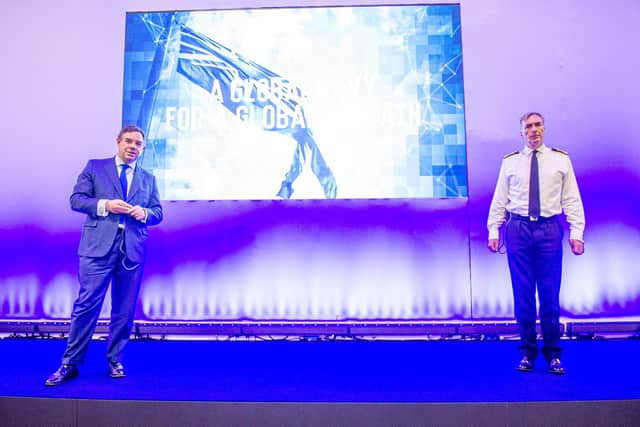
(558, 189)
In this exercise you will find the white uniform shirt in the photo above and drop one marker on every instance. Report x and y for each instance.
(558, 189)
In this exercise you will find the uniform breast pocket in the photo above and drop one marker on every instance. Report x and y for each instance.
(552, 181)
(514, 180)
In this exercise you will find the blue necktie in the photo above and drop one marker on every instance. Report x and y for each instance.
(123, 185)
(123, 181)
(534, 187)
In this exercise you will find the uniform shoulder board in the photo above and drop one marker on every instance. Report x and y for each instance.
(510, 154)
(560, 151)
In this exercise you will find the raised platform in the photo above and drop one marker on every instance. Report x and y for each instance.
(336, 383)
(347, 329)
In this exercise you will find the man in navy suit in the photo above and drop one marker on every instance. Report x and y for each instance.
(119, 199)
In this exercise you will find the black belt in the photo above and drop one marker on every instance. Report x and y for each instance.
(529, 219)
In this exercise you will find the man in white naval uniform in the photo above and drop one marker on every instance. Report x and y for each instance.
(535, 185)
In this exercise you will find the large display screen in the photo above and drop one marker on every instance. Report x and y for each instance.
(299, 103)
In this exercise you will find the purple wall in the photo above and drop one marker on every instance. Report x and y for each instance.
(62, 84)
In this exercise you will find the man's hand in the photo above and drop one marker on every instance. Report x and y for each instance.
(493, 245)
(577, 247)
(117, 206)
(137, 212)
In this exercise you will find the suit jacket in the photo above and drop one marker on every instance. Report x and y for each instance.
(99, 180)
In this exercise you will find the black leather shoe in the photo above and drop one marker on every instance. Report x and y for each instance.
(525, 365)
(116, 370)
(556, 367)
(64, 373)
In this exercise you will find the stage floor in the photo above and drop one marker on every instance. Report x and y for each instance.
(342, 371)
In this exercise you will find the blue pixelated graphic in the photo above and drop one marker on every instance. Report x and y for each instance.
(381, 87)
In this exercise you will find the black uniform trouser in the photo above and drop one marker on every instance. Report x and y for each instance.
(534, 252)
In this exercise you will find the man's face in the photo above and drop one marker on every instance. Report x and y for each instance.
(533, 131)
(130, 145)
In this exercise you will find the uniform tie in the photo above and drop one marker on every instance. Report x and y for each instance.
(534, 187)
(123, 180)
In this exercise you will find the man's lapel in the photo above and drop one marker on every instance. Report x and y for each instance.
(136, 183)
(111, 170)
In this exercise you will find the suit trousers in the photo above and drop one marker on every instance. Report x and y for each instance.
(534, 252)
(94, 275)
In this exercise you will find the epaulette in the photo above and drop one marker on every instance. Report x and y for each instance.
(560, 151)
(506, 156)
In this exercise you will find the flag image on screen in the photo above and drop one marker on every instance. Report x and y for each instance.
(207, 64)
(342, 102)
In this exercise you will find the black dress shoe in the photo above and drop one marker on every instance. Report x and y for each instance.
(64, 373)
(556, 367)
(525, 365)
(116, 370)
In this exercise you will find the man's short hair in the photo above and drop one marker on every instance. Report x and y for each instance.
(130, 128)
(526, 116)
